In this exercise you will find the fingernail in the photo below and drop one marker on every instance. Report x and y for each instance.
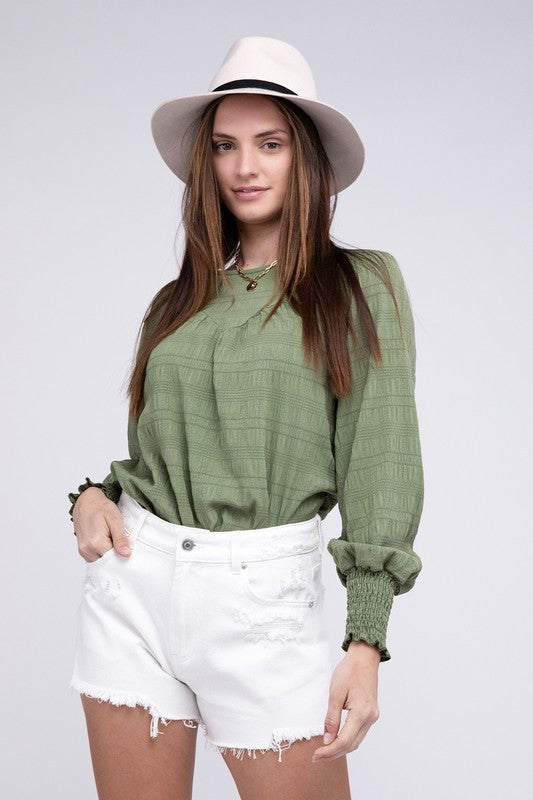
(328, 738)
(125, 550)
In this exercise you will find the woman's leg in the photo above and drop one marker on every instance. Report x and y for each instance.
(295, 778)
(128, 763)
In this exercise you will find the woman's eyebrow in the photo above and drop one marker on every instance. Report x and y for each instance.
(257, 136)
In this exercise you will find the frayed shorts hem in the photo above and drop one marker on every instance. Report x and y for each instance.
(281, 739)
(132, 699)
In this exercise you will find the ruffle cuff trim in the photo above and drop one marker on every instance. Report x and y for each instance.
(369, 602)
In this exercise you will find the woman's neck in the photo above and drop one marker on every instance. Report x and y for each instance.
(258, 248)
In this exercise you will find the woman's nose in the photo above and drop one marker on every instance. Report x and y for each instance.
(247, 162)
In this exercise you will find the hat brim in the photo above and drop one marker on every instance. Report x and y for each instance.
(174, 126)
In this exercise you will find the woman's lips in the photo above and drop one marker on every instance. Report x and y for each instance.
(248, 194)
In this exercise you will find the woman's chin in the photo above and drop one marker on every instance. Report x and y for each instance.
(257, 216)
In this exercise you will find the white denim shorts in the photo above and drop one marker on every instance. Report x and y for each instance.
(224, 630)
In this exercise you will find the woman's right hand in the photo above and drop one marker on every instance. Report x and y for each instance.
(99, 525)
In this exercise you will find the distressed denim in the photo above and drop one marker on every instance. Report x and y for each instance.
(222, 630)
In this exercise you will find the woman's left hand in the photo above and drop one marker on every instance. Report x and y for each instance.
(354, 686)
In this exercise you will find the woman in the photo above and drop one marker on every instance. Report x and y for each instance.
(274, 378)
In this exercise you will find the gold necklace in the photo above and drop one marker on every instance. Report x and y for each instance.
(252, 282)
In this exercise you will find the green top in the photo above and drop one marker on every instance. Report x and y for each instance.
(238, 432)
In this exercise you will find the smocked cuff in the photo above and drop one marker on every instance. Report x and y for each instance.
(369, 602)
(112, 491)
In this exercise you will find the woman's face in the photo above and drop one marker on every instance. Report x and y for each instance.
(252, 151)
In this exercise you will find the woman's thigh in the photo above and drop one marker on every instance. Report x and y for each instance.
(295, 778)
(129, 764)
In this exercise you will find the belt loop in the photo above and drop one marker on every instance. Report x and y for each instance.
(140, 523)
(235, 552)
(319, 523)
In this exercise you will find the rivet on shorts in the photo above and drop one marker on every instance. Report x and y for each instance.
(244, 564)
(311, 603)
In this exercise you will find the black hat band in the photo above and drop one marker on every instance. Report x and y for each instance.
(252, 83)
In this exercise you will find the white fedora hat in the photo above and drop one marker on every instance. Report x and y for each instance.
(260, 65)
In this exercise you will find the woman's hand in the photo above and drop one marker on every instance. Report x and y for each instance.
(99, 525)
(354, 686)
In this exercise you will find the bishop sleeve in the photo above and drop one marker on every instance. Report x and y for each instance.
(378, 464)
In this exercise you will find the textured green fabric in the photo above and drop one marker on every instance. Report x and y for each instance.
(239, 432)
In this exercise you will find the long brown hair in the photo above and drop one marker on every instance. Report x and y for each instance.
(314, 274)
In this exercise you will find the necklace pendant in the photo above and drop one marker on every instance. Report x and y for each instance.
(251, 285)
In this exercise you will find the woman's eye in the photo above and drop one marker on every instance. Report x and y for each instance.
(276, 145)
(221, 145)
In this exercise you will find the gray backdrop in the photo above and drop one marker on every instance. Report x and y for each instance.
(441, 94)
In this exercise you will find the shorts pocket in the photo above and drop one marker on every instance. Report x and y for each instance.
(292, 580)
(107, 556)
